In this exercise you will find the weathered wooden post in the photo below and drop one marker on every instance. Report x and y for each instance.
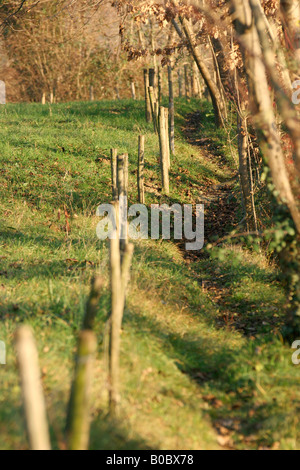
(152, 78)
(153, 108)
(119, 278)
(179, 83)
(153, 81)
(44, 97)
(92, 96)
(52, 96)
(164, 149)
(133, 92)
(78, 424)
(78, 417)
(171, 111)
(187, 83)
(93, 303)
(123, 194)
(147, 97)
(160, 83)
(141, 165)
(117, 92)
(195, 89)
(167, 137)
(2, 92)
(114, 170)
(121, 175)
(126, 173)
(116, 314)
(32, 390)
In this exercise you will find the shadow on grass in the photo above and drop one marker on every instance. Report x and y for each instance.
(108, 434)
(217, 369)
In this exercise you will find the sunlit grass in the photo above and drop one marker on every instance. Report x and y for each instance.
(183, 371)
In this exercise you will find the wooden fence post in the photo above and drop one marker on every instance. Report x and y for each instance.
(147, 97)
(187, 83)
(152, 78)
(153, 108)
(117, 92)
(119, 275)
(164, 150)
(123, 194)
(195, 88)
(167, 137)
(199, 86)
(93, 303)
(121, 175)
(92, 96)
(159, 86)
(126, 175)
(78, 415)
(133, 92)
(78, 421)
(114, 171)
(179, 83)
(171, 111)
(32, 390)
(141, 164)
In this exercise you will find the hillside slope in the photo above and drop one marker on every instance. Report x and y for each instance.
(202, 364)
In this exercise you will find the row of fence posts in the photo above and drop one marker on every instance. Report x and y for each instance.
(78, 419)
(121, 252)
(162, 118)
(189, 85)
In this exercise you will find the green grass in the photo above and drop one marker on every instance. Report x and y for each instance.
(202, 362)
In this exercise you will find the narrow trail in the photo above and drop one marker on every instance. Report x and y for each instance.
(221, 208)
(220, 205)
(220, 217)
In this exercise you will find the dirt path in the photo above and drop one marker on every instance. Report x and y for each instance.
(220, 217)
(220, 204)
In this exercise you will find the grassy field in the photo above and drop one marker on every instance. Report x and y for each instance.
(203, 366)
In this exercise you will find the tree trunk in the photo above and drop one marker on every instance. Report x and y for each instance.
(211, 85)
(291, 13)
(262, 105)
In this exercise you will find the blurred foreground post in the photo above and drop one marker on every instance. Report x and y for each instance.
(78, 420)
(78, 414)
(33, 396)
